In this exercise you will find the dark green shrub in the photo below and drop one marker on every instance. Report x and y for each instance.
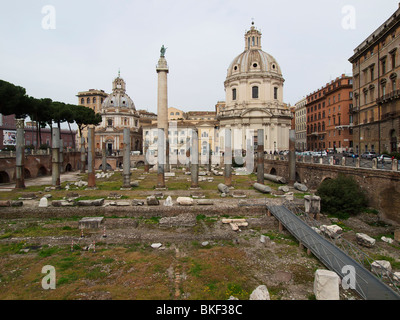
(342, 197)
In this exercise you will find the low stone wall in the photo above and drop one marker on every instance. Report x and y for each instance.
(382, 186)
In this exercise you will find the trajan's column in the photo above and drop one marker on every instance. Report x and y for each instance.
(162, 102)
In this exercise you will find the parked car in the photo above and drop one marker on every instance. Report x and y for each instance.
(384, 158)
(322, 153)
(369, 155)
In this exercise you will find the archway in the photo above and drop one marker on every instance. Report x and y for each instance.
(27, 173)
(42, 171)
(68, 168)
(273, 171)
(139, 164)
(297, 178)
(4, 177)
(108, 167)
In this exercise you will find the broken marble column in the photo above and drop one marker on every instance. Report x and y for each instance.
(223, 188)
(20, 155)
(146, 156)
(103, 157)
(188, 154)
(61, 156)
(127, 159)
(83, 155)
(292, 157)
(275, 178)
(91, 159)
(195, 159)
(161, 159)
(228, 157)
(260, 156)
(55, 159)
(312, 205)
(262, 188)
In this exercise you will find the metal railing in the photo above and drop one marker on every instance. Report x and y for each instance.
(336, 252)
(339, 160)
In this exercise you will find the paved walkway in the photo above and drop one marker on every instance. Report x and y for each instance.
(44, 180)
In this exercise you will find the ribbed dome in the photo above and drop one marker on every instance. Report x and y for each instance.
(118, 98)
(254, 61)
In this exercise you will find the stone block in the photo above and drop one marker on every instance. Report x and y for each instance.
(90, 222)
(62, 203)
(397, 235)
(326, 285)
(223, 188)
(260, 293)
(300, 187)
(333, 231)
(381, 267)
(136, 202)
(365, 240)
(43, 203)
(152, 201)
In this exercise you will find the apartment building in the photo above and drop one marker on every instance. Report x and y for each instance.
(376, 89)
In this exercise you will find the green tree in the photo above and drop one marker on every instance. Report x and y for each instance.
(13, 100)
(342, 197)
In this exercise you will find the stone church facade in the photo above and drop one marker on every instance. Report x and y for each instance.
(254, 98)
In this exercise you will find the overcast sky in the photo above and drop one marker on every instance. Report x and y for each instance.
(91, 40)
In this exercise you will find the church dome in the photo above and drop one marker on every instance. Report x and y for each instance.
(253, 60)
(118, 98)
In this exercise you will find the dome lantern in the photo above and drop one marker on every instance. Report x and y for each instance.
(253, 38)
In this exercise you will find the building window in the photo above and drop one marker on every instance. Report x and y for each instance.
(109, 122)
(383, 66)
(254, 91)
(94, 99)
(275, 93)
(233, 94)
(88, 100)
(394, 60)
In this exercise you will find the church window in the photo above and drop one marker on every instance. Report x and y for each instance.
(252, 41)
(109, 122)
(233, 94)
(255, 92)
(82, 101)
(275, 93)
(255, 65)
